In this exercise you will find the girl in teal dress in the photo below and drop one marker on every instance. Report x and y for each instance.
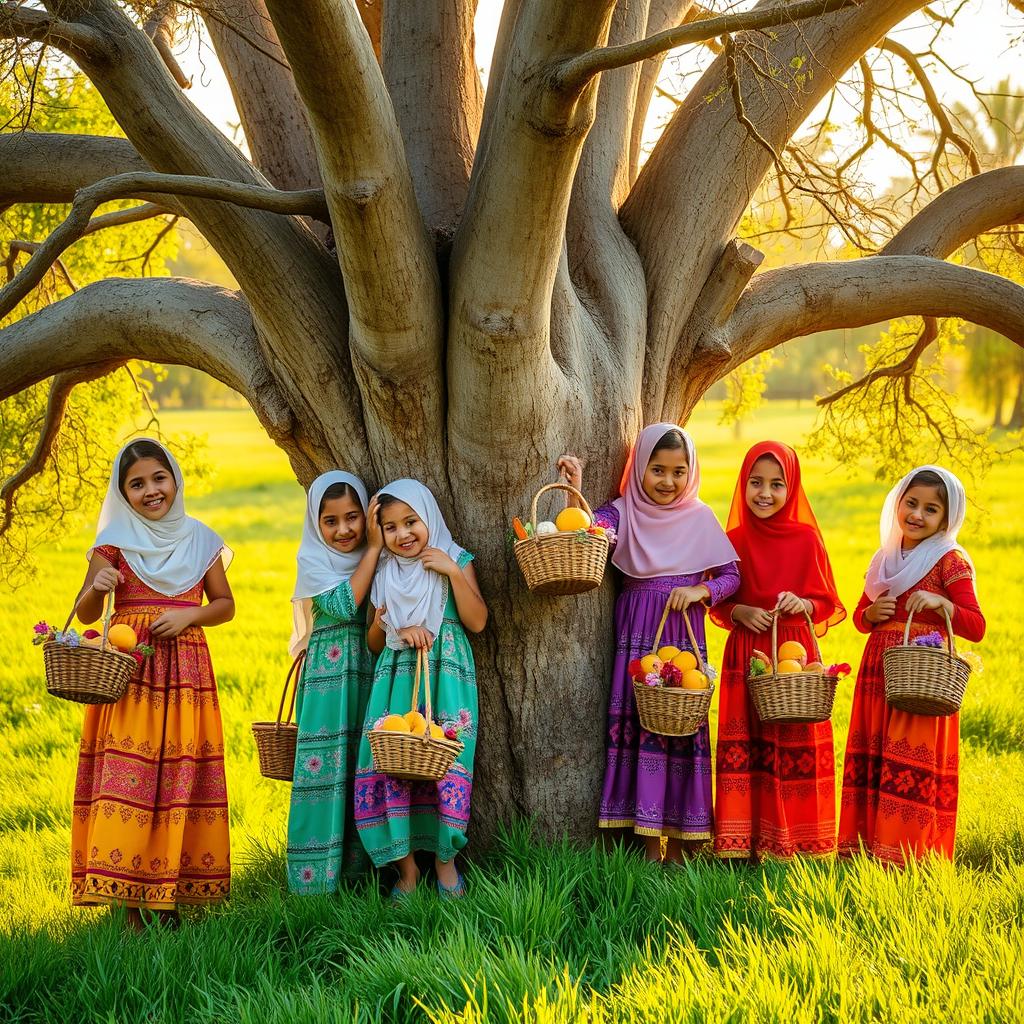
(425, 596)
(336, 561)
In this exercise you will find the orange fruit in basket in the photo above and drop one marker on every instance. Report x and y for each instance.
(685, 661)
(650, 663)
(416, 722)
(395, 723)
(436, 732)
(786, 666)
(570, 519)
(793, 650)
(668, 652)
(122, 637)
(694, 679)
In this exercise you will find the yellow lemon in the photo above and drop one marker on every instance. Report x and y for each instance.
(122, 637)
(695, 680)
(416, 722)
(395, 723)
(668, 652)
(684, 661)
(572, 519)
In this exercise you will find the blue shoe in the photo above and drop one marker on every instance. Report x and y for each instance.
(399, 895)
(452, 892)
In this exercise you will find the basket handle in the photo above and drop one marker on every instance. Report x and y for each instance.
(108, 611)
(950, 642)
(558, 487)
(775, 637)
(293, 671)
(423, 667)
(689, 632)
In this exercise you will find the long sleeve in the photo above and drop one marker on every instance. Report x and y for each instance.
(968, 620)
(722, 581)
(338, 603)
(861, 623)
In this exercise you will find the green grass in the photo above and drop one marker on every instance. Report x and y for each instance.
(549, 933)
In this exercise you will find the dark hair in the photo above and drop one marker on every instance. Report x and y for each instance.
(339, 490)
(672, 441)
(384, 499)
(143, 449)
(928, 478)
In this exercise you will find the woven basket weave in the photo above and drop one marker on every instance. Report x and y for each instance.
(671, 710)
(404, 756)
(276, 741)
(562, 563)
(88, 675)
(793, 696)
(925, 680)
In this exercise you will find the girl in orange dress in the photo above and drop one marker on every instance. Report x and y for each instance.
(150, 826)
(775, 792)
(900, 779)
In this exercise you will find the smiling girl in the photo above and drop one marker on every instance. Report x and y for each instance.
(669, 548)
(901, 775)
(776, 790)
(425, 596)
(150, 827)
(341, 544)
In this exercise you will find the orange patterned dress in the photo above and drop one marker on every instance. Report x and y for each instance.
(901, 774)
(150, 825)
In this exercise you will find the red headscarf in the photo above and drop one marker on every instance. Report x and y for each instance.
(785, 551)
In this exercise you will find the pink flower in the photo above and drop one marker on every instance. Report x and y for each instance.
(314, 764)
(465, 717)
(652, 679)
(307, 874)
(672, 674)
(41, 628)
(334, 653)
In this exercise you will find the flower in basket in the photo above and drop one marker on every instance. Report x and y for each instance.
(933, 639)
(41, 633)
(671, 675)
(758, 667)
(635, 669)
(711, 673)
(69, 638)
(652, 679)
(839, 670)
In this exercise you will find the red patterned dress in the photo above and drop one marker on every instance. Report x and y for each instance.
(900, 778)
(150, 825)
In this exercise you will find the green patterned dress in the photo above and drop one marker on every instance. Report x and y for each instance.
(322, 846)
(395, 816)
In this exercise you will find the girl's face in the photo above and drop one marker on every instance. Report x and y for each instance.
(150, 488)
(342, 523)
(921, 513)
(666, 475)
(766, 488)
(404, 532)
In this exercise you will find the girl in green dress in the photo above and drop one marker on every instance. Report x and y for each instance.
(425, 596)
(336, 561)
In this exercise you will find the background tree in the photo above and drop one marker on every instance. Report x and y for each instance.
(502, 281)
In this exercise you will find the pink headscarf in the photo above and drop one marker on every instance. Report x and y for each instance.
(666, 540)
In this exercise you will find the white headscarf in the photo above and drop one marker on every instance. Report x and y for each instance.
(411, 594)
(170, 555)
(321, 567)
(893, 571)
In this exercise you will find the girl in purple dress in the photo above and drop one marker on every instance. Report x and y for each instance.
(669, 547)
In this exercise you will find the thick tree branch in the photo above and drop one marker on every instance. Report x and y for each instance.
(56, 405)
(572, 74)
(804, 299)
(31, 25)
(137, 185)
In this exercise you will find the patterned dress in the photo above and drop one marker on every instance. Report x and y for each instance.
(776, 783)
(901, 775)
(397, 816)
(656, 785)
(336, 674)
(150, 825)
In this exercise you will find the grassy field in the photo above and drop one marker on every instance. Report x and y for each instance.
(549, 933)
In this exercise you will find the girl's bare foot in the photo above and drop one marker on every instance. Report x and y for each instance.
(652, 848)
(408, 874)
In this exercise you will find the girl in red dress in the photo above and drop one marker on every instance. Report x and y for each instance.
(900, 779)
(776, 783)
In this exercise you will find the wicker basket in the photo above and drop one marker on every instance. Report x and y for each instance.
(925, 680)
(562, 563)
(276, 741)
(88, 675)
(404, 756)
(671, 710)
(793, 696)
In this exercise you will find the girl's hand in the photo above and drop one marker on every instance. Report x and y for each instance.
(416, 636)
(436, 559)
(171, 623)
(572, 469)
(682, 597)
(106, 580)
(790, 604)
(378, 616)
(881, 609)
(926, 601)
(374, 537)
(757, 620)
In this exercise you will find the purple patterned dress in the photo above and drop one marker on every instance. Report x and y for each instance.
(656, 785)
